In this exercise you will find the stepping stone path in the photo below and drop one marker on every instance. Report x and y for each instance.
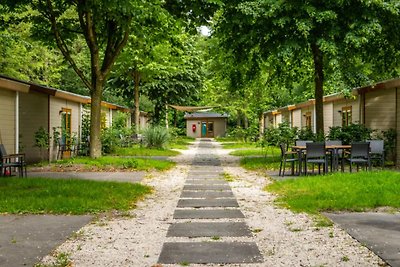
(208, 209)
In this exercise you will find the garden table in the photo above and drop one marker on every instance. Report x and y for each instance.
(333, 148)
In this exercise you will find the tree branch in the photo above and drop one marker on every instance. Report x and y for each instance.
(63, 46)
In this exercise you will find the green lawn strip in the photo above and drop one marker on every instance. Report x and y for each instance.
(339, 191)
(238, 145)
(67, 196)
(107, 162)
(181, 142)
(262, 164)
(270, 151)
(144, 151)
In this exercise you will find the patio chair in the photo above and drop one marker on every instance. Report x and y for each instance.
(335, 154)
(359, 155)
(316, 154)
(377, 151)
(12, 161)
(303, 142)
(62, 148)
(287, 156)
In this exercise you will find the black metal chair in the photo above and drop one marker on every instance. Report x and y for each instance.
(287, 156)
(359, 155)
(316, 154)
(12, 161)
(62, 148)
(377, 151)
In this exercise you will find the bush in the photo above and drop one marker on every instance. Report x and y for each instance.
(350, 133)
(174, 132)
(109, 140)
(283, 134)
(156, 136)
(306, 134)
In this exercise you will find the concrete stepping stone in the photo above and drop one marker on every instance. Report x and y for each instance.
(207, 194)
(206, 182)
(210, 252)
(202, 203)
(200, 177)
(207, 187)
(205, 229)
(207, 214)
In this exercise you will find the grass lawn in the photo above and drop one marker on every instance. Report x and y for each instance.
(109, 162)
(181, 142)
(144, 151)
(62, 196)
(239, 145)
(258, 151)
(339, 191)
(261, 164)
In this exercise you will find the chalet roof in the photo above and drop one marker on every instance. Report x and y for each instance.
(204, 115)
(191, 108)
(26, 87)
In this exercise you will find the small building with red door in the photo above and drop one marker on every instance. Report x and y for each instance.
(205, 124)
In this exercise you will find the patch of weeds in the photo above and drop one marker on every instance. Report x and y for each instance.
(331, 235)
(345, 259)
(130, 164)
(295, 229)
(61, 260)
(79, 248)
(257, 230)
(13, 240)
(147, 256)
(77, 235)
(322, 221)
(288, 223)
(215, 238)
(184, 263)
(228, 177)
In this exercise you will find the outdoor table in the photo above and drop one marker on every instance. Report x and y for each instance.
(335, 154)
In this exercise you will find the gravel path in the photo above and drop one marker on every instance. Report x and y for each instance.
(284, 238)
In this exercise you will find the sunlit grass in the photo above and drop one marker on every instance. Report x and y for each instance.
(181, 142)
(67, 196)
(144, 151)
(339, 191)
(107, 162)
(238, 145)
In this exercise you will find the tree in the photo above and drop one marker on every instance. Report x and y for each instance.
(105, 27)
(329, 33)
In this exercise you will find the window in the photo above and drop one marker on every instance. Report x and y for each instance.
(346, 116)
(308, 120)
(65, 125)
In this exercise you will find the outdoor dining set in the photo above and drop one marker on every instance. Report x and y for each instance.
(330, 156)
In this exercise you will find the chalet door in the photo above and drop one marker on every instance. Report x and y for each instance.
(207, 129)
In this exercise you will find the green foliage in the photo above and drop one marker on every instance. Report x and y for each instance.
(350, 133)
(340, 191)
(283, 134)
(67, 196)
(156, 136)
(306, 134)
(390, 139)
(144, 151)
(176, 132)
(42, 138)
(130, 164)
(109, 140)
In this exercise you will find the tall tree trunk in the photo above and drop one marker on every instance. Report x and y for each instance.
(95, 118)
(136, 76)
(319, 89)
(261, 124)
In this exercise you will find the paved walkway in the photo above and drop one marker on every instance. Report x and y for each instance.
(380, 232)
(208, 209)
(25, 239)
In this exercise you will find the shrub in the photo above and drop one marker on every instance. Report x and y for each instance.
(42, 140)
(156, 136)
(109, 140)
(282, 134)
(175, 132)
(350, 133)
(306, 134)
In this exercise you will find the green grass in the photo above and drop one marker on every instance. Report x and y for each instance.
(67, 196)
(109, 162)
(144, 151)
(238, 145)
(256, 152)
(261, 164)
(181, 142)
(339, 191)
